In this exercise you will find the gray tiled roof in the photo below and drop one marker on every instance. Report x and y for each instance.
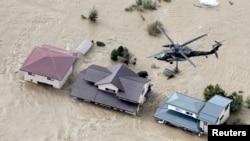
(132, 88)
(96, 73)
(185, 102)
(84, 89)
(108, 99)
(117, 71)
(132, 85)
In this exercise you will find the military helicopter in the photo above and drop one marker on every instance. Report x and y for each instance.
(181, 52)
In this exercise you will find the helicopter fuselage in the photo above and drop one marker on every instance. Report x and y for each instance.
(171, 55)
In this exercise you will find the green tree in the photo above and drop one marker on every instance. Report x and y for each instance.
(114, 55)
(211, 90)
(237, 102)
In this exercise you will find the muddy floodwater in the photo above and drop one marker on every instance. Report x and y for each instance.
(32, 112)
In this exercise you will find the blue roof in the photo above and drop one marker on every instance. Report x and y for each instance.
(213, 108)
(208, 111)
(185, 102)
(220, 100)
(177, 119)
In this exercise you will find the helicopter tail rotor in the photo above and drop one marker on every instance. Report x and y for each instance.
(216, 48)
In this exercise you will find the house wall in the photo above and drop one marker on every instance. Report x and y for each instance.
(224, 115)
(204, 126)
(143, 93)
(61, 83)
(171, 107)
(111, 88)
(38, 78)
(221, 119)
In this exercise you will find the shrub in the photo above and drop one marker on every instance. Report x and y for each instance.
(236, 103)
(120, 50)
(143, 74)
(167, 0)
(248, 101)
(93, 14)
(211, 90)
(152, 28)
(149, 4)
(237, 121)
(124, 55)
(114, 55)
(99, 43)
(142, 4)
(138, 2)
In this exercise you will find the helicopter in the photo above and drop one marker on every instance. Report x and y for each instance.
(181, 52)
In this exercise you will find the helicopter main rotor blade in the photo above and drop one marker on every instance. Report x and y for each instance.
(157, 54)
(193, 40)
(163, 32)
(186, 58)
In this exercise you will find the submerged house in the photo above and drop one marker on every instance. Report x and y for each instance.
(116, 87)
(192, 114)
(49, 65)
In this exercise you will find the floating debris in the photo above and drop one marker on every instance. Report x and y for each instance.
(209, 2)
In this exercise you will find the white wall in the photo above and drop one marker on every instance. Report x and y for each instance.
(38, 78)
(224, 113)
(143, 93)
(204, 126)
(109, 86)
(171, 107)
(61, 83)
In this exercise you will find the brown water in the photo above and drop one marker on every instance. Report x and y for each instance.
(30, 112)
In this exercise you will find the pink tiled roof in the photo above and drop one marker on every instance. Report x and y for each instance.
(49, 61)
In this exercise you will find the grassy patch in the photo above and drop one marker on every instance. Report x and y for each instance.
(140, 5)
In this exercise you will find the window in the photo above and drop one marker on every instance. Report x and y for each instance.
(30, 73)
(49, 78)
(110, 90)
(227, 107)
(221, 117)
(188, 113)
